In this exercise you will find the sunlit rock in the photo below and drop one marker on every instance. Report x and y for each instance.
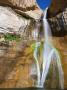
(10, 22)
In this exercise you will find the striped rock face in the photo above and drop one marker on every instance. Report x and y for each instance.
(55, 7)
(10, 21)
(23, 3)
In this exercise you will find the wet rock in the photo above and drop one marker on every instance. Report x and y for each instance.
(65, 38)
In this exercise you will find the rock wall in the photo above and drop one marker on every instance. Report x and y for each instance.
(56, 6)
(16, 58)
(23, 3)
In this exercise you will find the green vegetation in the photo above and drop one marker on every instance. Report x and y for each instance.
(33, 46)
(10, 37)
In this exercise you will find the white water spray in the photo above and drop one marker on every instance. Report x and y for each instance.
(49, 53)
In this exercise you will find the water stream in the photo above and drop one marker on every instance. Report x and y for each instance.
(49, 53)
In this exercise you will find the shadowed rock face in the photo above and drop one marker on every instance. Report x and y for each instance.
(57, 6)
(58, 24)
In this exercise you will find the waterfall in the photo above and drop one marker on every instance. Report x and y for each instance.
(49, 53)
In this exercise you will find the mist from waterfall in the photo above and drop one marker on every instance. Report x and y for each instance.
(50, 53)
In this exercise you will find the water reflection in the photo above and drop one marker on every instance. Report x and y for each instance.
(41, 89)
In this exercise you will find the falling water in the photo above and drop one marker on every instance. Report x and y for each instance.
(49, 53)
